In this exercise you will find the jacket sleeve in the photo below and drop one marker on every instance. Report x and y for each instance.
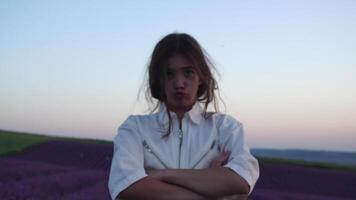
(127, 165)
(231, 138)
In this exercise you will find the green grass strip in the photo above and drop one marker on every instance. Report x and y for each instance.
(12, 142)
(304, 163)
(15, 142)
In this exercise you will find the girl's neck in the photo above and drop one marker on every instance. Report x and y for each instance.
(179, 112)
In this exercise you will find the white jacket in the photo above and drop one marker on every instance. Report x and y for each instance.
(139, 145)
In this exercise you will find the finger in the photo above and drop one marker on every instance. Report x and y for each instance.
(224, 156)
(220, 160)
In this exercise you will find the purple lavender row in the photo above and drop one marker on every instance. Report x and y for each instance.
(12, 169)
(293, 179)
(56, 184)
(71, 153)
(263, 194)
(77, 170)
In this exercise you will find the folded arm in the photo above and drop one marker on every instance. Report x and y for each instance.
(212, 182)
(151, 188)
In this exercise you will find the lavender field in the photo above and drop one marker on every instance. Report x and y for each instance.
(57, 170)
(73, 169)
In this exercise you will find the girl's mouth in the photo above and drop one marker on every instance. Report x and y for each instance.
(180, 95)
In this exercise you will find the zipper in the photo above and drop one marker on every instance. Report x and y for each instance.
(180, 136)
(153, 153)
(211, 147)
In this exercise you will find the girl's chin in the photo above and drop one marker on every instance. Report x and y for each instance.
(184, 106)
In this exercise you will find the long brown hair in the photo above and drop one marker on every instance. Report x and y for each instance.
(186, 45)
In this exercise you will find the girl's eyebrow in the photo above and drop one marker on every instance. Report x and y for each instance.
(188, 67)
(181, 68)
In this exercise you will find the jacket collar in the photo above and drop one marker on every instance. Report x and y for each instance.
(195, 114)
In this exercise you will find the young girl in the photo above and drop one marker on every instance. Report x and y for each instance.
(181, 151)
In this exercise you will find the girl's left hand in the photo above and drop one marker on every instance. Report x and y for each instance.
(221, 160)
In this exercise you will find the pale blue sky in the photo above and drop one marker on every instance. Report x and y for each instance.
(287, 68)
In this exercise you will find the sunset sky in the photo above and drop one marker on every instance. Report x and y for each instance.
(287, 68)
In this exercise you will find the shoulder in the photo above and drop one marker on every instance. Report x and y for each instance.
(133, 121)
(230, 131)
(132, 124)
(224, 120)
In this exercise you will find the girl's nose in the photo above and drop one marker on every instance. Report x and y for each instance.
(179, 82)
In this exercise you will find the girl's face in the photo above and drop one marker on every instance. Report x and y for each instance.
(181, 84)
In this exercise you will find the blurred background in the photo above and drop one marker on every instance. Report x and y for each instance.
(287, 68)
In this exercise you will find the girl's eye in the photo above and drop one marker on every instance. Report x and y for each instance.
(188, 73)
(169, 74)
